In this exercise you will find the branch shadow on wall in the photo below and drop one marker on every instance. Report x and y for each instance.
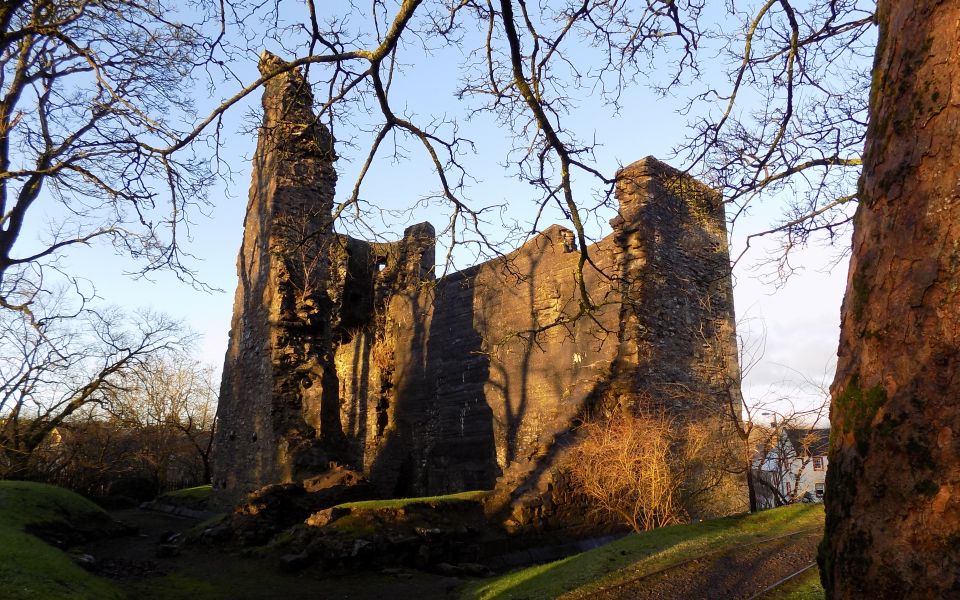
(673, 332)
(441, 437)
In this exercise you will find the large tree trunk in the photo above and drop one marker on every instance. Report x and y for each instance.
(893, 488)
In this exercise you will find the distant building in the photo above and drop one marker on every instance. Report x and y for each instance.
(793, 467)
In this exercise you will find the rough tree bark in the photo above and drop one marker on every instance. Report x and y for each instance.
(893, 489)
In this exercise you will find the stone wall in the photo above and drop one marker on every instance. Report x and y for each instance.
(349, 351)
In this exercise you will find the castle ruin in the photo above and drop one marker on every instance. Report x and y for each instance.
(354, 352)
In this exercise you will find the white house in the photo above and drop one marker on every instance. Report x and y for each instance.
(794, 467)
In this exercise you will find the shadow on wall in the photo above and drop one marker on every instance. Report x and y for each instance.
(245, 452)
(461, 455)
(350, 351)
(440, 434)
(663, 337)
(476, 386)
(489, 370)
(477, 380)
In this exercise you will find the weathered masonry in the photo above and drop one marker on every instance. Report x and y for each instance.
(350, 351)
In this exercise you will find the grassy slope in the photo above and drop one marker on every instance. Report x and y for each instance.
(30, 568)
(199, 494)
(577, 575)
(194, 498)
(474, 496)
(804, 587)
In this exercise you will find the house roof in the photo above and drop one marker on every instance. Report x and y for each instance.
(812, 442)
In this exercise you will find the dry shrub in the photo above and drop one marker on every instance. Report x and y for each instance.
(645, 470)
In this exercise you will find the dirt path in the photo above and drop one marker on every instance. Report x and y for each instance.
(203, 572)
(136, 555)
(737, 574)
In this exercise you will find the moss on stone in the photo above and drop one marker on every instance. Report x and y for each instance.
(194, 497)
(470, 496)
(861, 294)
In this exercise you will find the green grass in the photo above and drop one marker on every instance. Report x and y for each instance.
(474, 496)
(804, 587)
(637, 554)
(195, 497)
(31, 569)
(359, 522)
(201, 492)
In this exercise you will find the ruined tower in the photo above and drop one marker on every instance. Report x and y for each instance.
(353, 351)
(277, 367)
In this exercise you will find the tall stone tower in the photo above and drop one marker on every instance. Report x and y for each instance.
(279, 355)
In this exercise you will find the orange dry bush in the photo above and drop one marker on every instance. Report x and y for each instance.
(638, 468)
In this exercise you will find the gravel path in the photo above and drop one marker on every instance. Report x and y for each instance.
(737, 574)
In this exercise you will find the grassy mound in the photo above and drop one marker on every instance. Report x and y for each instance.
(31, 568)
(432, 501)
(195, 497)
(576, 576)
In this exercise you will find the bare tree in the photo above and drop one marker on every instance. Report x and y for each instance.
(790, 119)
(87, 88)
(50, 370)
(169, 400)
(96, 108)
(789, 124)
(198, 421)
(787, 452)
(96, 111)
(150, 432)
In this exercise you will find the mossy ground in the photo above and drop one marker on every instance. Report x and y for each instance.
(194, 497)
(579, 575)
(370, 518)
(473, 496)
(803, 587)
(200, 493)
(32, 569)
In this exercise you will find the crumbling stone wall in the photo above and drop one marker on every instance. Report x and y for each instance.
(286, 309)
(354, 352)
(666, 339)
